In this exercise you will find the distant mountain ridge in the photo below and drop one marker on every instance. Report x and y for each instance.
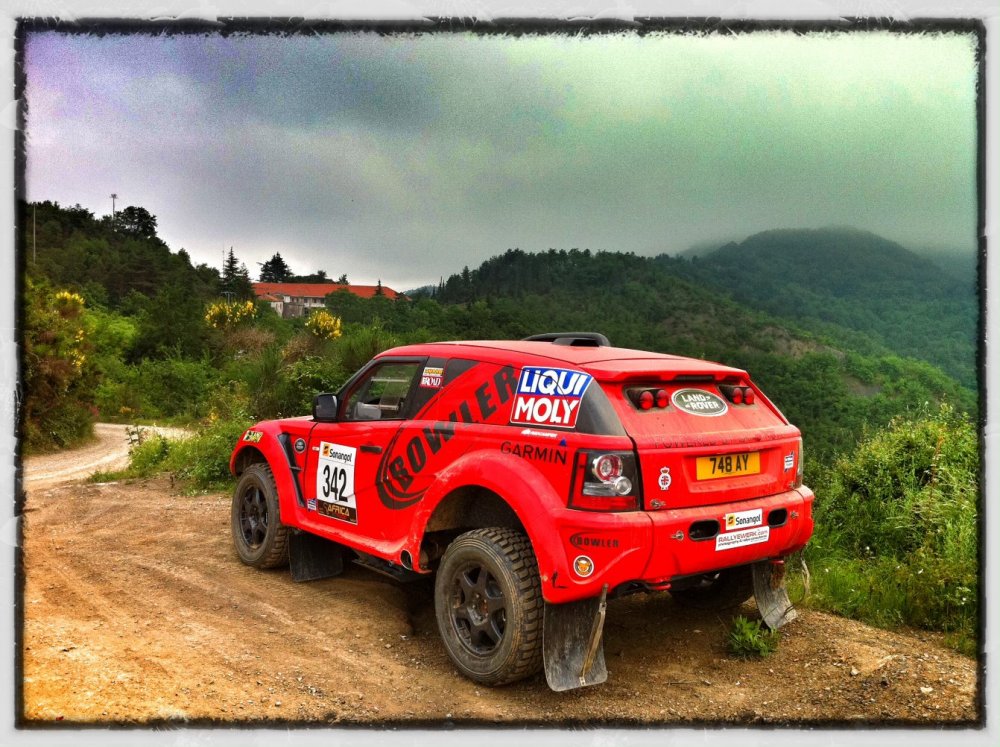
(854, 279)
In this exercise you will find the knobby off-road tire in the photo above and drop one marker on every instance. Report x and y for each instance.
(489, 607)
(723, 590)
(261, 540)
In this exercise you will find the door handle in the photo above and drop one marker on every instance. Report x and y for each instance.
(371, 448)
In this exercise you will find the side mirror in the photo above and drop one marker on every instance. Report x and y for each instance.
(325, 408)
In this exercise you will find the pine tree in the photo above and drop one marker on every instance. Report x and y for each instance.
(275, 270)
(236, 278)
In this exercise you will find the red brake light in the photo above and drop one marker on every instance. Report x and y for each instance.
(737, 395)
(607, 467)
(646, 400)
(748, 396)
(662, 398)
(604, 481)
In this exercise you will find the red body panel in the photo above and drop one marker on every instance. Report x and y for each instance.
(512, 418)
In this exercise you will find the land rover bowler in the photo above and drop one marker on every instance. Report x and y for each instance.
(536, 479)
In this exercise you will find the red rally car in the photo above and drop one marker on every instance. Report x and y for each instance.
(536, 478)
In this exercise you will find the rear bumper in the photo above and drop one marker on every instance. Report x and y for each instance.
(652, 548)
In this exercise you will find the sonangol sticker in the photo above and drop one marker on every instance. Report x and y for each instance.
(549, 396)
(744, 519)
(730, 540)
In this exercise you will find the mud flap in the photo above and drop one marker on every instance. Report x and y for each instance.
(769, 590)
(572, 643)
(312, 557)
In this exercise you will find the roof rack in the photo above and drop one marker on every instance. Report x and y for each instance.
(575, 339)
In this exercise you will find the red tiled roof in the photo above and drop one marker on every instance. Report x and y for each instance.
(319, 290)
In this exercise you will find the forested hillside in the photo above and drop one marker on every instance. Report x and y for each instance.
(836, 279)
(832, 390)
(146, 345)
(116, 326)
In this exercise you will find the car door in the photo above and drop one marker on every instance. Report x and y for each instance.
(344, 457)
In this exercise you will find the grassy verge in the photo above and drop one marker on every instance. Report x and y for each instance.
(201, 462)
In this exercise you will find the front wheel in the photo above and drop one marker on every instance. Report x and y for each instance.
(488, 602)
(261, 540)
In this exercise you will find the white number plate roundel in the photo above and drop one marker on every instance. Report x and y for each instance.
(335, 482)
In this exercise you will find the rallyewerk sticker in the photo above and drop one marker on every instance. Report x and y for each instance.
(744, 519)
(730, 540)
(549, 396)
(432, 377)
(335, 482)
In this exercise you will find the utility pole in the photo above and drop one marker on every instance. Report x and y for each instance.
(34, 243)
(114, 196)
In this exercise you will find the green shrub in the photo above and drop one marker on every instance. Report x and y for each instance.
(897, 527)
(748, 638)
(360, 344)
(201, 461)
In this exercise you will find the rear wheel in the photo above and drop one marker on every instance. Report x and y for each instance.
(721, 590)
(488, 603)
(261, 540)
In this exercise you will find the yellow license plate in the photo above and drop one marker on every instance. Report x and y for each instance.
(728, 465)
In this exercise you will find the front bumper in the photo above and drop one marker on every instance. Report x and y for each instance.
(648, 549)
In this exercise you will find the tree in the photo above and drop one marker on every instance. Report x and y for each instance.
(236, 277)
(275, 270)
(137, 221)
(378, 288)
(343, 279)
(317, 277)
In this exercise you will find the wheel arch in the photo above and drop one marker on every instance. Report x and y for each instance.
(269, 451)
(463, 509)
(480, 491)
(245, 457)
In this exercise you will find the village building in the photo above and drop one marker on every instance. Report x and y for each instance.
(298, 299)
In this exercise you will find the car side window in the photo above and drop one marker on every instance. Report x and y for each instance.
(381, 394)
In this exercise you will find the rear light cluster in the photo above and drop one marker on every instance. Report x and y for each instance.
(647, 399)
(604, 481)
(798, 466)
(739, 395)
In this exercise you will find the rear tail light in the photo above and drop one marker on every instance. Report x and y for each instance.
(604, 481)
(646, 399)
(738, 395)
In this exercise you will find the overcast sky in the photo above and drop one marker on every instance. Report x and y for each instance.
(404, 158)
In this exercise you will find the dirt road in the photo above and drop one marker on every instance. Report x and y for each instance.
(107, 452)
(137, 610)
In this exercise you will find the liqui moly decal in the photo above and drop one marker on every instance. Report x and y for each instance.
(549, 396)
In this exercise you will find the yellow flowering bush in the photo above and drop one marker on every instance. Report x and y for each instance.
(227, 315)
(324, 325)
(58, 384)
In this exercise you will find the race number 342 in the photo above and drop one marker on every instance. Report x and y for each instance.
(335, 482)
